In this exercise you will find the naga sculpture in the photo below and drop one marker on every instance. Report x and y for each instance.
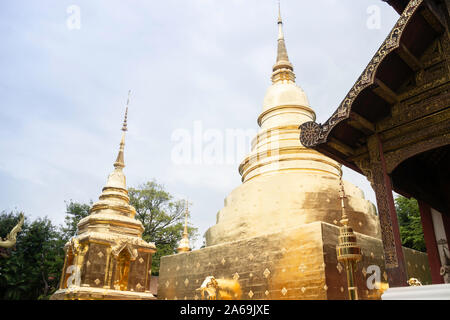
(414, 282)
(220, 289)
(11, 238)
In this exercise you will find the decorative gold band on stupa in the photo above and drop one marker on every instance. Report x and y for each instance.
(348, 251)
(184, 242)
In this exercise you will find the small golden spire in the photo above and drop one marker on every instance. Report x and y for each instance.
(185, 233)
(348, 251)
(184, 243)
(120, 162)
(344, 219)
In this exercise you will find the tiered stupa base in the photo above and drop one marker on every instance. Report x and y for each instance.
(299, 264)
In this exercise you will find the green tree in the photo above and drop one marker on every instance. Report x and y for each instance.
(32, 270)
(162, 217)
(410, 223)
(12, 278)
(74, 213)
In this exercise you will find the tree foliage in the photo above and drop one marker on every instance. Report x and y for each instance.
(410, 223)
(74, 213)
(162, 217)
(32, 269)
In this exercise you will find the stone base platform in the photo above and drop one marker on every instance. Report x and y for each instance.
(298, 264)
(88, 293)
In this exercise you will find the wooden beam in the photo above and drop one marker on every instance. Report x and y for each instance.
(360, 123)
(340, 146)
(409, 58)
(385, 92)
(331, 153)
(432, 15)
(361, 152)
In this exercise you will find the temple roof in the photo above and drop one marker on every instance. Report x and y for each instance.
(382, 86)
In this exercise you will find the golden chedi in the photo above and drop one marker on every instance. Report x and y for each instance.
(277, 233)
(285, 184)
(108, 259)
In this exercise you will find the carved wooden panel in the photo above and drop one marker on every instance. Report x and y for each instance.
(381, 192)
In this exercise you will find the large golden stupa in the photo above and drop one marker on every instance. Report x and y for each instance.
(276, 235)
(108, 259)
(286, 185)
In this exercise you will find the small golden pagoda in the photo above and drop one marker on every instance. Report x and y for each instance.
(108, 259)
(348, 251)
(184, 242)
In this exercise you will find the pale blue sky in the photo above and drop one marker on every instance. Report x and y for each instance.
(63, 91)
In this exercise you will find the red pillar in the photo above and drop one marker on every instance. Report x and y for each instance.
(430, 241)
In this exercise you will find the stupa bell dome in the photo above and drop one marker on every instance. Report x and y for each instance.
(284, 93)
(285, 185)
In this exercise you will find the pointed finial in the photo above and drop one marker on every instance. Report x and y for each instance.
(120, 163)
(283, 69)
(279, 12)
(344, 219)
(124, 127)
(280, 25)
(186, 218)
(184, 243)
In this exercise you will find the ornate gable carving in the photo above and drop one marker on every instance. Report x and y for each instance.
(312, 135)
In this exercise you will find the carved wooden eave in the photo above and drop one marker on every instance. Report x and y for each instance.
(402, 96)
(398, 5)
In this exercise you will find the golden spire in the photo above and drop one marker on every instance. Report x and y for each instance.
(184, 243)
(114, 200)
(348, 251)
(344, 219)
(283, 69)
(185, 232)
(120, 163)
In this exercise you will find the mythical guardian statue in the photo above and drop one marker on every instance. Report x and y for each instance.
(11, 238)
